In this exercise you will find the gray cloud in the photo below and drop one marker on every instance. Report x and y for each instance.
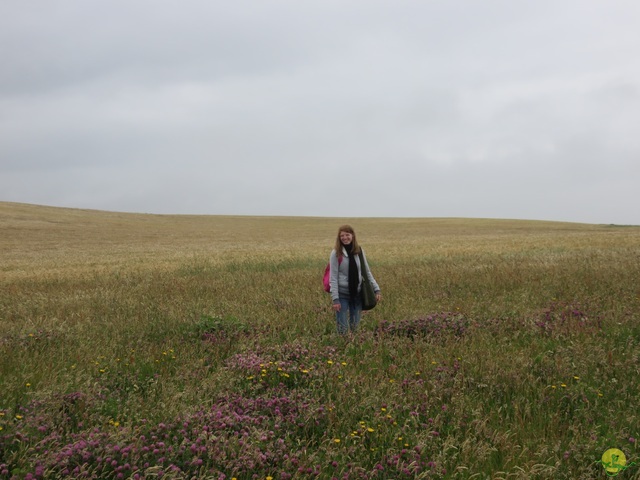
(478, 109)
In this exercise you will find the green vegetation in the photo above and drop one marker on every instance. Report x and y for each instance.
(145, 346)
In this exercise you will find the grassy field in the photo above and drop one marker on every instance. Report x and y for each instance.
(151, 346)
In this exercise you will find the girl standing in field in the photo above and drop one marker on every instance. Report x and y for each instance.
(345, 279)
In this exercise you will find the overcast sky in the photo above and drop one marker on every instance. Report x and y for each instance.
(450, 108)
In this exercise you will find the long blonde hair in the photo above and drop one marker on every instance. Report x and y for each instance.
(338, 246)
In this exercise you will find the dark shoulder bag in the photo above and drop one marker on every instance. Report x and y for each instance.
(366, 292)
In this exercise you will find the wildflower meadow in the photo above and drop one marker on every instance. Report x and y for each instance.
(204, 347)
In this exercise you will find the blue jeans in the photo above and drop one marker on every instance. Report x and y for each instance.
(349, 315)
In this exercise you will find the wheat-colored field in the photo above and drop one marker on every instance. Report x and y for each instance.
(175, 346)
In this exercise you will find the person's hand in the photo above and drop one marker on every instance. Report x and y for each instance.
(378, 297)
(336, 307)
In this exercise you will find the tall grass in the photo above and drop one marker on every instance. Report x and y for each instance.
(144, 346)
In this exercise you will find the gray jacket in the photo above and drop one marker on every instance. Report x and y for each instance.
(339, 275)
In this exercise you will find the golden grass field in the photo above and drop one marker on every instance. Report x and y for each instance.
(501, 349)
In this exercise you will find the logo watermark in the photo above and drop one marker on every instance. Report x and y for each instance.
(614, 461)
